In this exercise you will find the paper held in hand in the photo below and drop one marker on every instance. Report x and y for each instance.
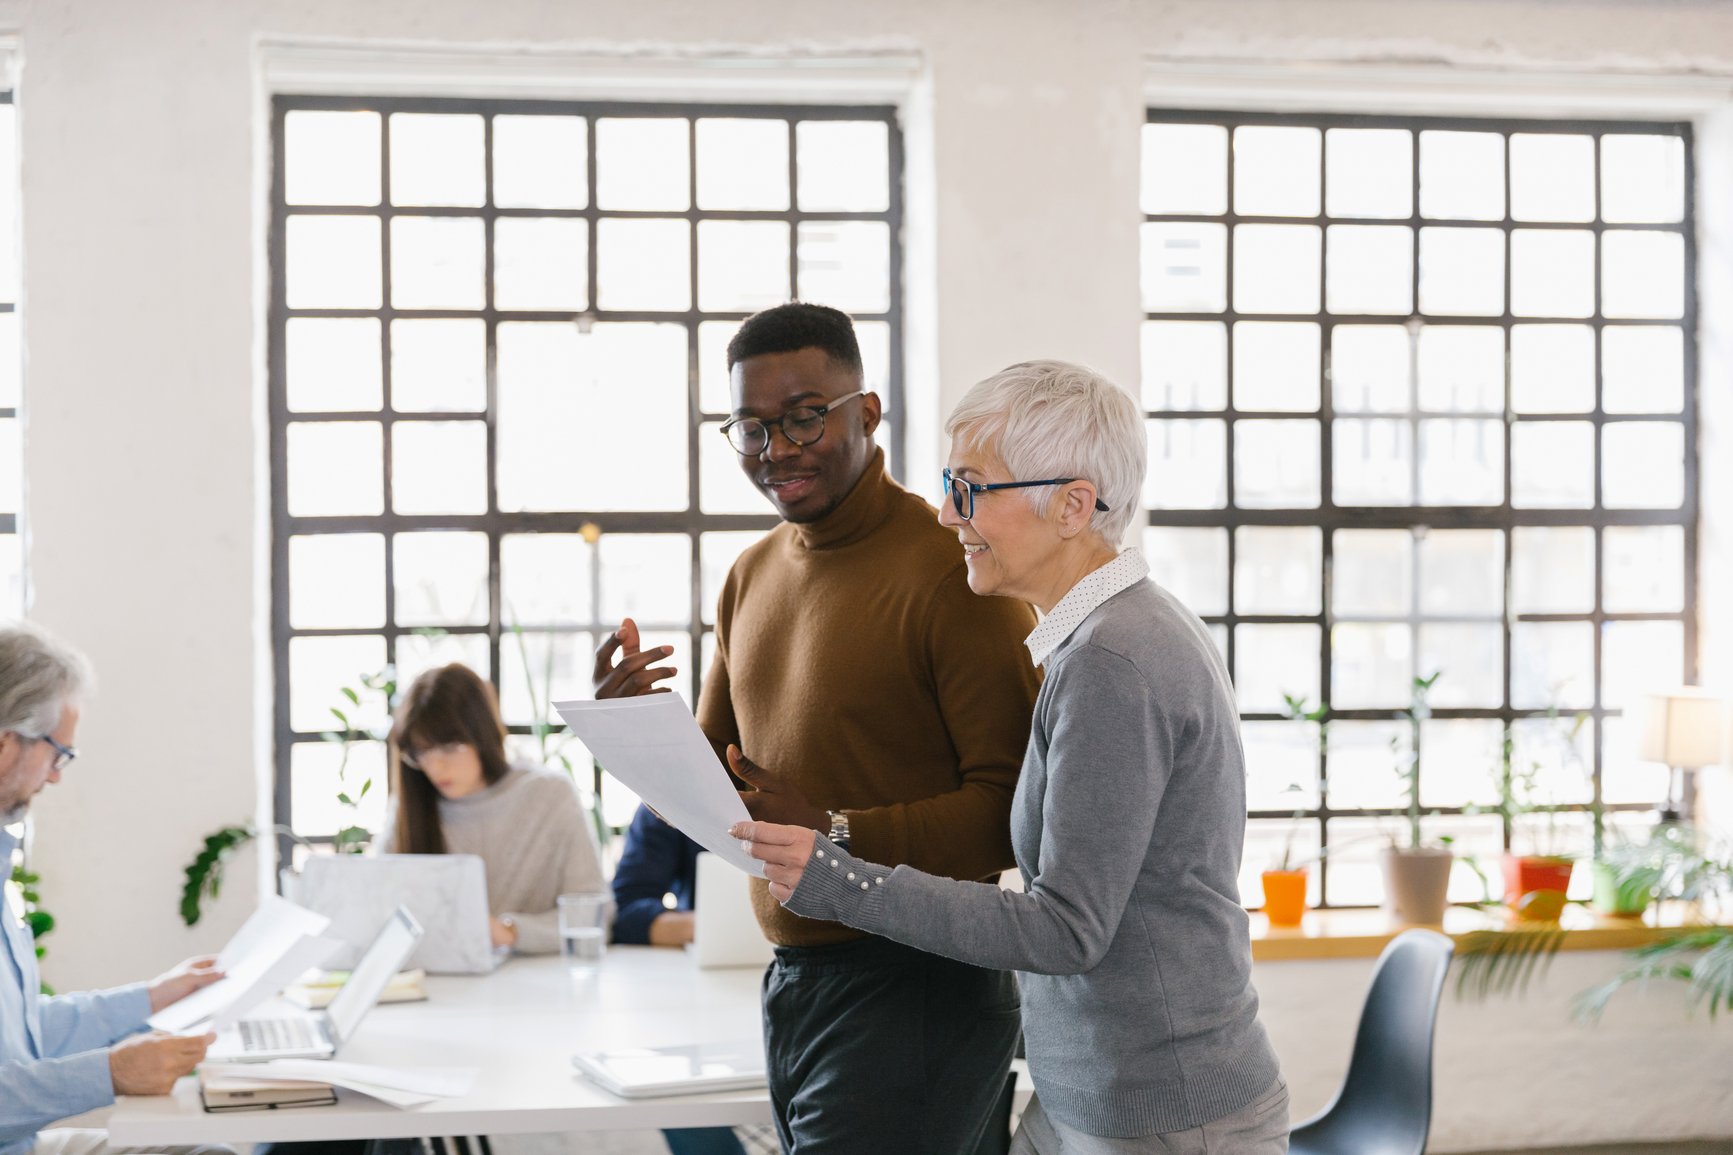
(653, 745)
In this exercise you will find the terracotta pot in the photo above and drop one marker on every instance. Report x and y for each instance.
(1629, 900)
(1527, 873)
(1415, 883)
(1285, 896)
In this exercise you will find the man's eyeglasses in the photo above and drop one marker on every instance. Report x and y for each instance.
(63, 755)
(963, 491)
(750, 436)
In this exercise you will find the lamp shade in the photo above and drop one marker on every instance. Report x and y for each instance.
(1686, 728)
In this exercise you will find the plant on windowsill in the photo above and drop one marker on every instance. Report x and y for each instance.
(1416, 875)
(553, 741)
(1535, 884)
(1286, 880)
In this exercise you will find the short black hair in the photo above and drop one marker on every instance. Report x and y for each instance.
(795, 326)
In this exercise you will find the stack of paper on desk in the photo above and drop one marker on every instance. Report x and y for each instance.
(273, 948)
(400, 1087)
(653, 745)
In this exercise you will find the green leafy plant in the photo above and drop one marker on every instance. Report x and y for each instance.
(1519, 780)
(1408, 761)
(1300, 711)
(37, 919)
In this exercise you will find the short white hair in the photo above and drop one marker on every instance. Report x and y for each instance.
(1056, 419)
(39, 677)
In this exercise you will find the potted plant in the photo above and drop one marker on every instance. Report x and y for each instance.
(1416, 875)
(1286, 881)
(1546, 871)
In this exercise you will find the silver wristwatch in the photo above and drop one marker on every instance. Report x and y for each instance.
(838, 828)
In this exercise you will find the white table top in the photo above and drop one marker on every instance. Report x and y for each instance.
(519, 1026)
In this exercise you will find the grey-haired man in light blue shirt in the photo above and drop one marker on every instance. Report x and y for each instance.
(64, 1055)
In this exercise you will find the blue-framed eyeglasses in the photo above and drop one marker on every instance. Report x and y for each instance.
(63, 755)
(963, 491)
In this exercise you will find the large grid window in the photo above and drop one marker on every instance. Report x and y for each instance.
(11, 370)
(497, 376)
(1421, 398)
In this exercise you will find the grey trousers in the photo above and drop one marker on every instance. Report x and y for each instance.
(1260, 1128)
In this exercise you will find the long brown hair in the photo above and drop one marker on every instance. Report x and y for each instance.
(450, 704)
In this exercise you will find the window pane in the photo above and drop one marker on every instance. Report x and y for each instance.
(1642, 369)
(1372, 573)
(1369, 172)
(1278, 570)
(1185, 365)
(1552, 273)
(1552, 465)
(845, 264)
(437, 262)
(1461, 271)
(317, 773)
(1462, 573)
(331, 158)
(1370, 369)
(560, 665)
(1270, 661)
(1373, 461)
(1557, 752)
(332, 262)
(1276, 365)
(333, 364)
(1644, 568)
(1268, 840)
(1279, 757)
(1275, 464)
(337, 581)
(1461, 369)
(717, 553)
(1458, 761)
(1470, 659)
(319, 669)
(1363, 765)
(1370, 666)
(742, 265)
(545, 580)
(1276, 268)
(417, 653)
(1185, 168)
(643, 164)
(439, 366)
(1184, 268)
(1552, 177)
(1191, 564)
(440, 579)
(648, 577)
(1624, 778)
(1637, 658)
(1552, 570)
(565, 397)
(1552, 664)
(713, 388)
(1642, 465)
(540, 263)
(742, 164)
(723, 486)
(335, 469)
(1461, 462)
(1371, 269)
(1276, 171)
(843, 165)
(1552, 368)
(11, 362)
(1187, 465)
(436, 159)
(11, 462)
(1642, 178)
(1462, 175)
(1642, 274)
(643, 265)
(439, 467)
(539, 162)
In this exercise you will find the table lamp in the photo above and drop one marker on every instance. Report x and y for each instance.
(1684, 729)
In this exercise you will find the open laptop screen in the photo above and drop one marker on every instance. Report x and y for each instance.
(390, 948)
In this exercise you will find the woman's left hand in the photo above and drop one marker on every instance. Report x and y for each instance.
(784, 850)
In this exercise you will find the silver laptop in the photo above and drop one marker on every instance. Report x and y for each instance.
(447, 894)
(321, 1034)
(725, 930)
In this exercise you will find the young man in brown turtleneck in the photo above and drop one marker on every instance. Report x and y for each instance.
(878, 699)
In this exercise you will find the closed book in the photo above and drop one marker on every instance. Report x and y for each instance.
(404, 987)
(226, 1093)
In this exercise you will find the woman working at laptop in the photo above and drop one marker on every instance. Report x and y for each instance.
(453, 791)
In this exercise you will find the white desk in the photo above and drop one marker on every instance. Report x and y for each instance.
(520, 1026)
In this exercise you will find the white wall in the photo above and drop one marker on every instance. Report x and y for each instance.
(142, 129)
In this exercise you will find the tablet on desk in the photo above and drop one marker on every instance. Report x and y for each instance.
(648, 1072)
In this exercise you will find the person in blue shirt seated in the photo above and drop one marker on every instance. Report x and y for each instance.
(658, 861)
(65, 1055)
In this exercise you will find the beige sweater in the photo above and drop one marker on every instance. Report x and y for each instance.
(530, 831)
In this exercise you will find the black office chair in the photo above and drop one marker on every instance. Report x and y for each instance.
(1385, 1104)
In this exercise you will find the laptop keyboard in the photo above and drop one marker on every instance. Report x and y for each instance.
(279, 1035)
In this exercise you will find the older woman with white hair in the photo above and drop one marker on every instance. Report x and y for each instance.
(1139, 1016)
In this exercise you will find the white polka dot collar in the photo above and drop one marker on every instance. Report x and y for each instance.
(1083, 599)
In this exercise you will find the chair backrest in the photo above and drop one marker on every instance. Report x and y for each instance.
(1385, 1105)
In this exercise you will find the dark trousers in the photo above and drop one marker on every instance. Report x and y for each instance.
(876, 1048)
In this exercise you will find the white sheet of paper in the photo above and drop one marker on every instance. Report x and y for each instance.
(271, 932)
(308, 952)
(653, 745)
(398, 1086)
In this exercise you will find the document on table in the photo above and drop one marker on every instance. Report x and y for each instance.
(398, 1086)
(277, 936)
(653, 744)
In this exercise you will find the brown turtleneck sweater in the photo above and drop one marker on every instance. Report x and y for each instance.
(852, 658)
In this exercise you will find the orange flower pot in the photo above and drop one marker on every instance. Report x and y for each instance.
(1285, 896)
(1526, 873)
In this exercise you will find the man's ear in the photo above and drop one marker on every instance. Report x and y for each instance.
(872, 412)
